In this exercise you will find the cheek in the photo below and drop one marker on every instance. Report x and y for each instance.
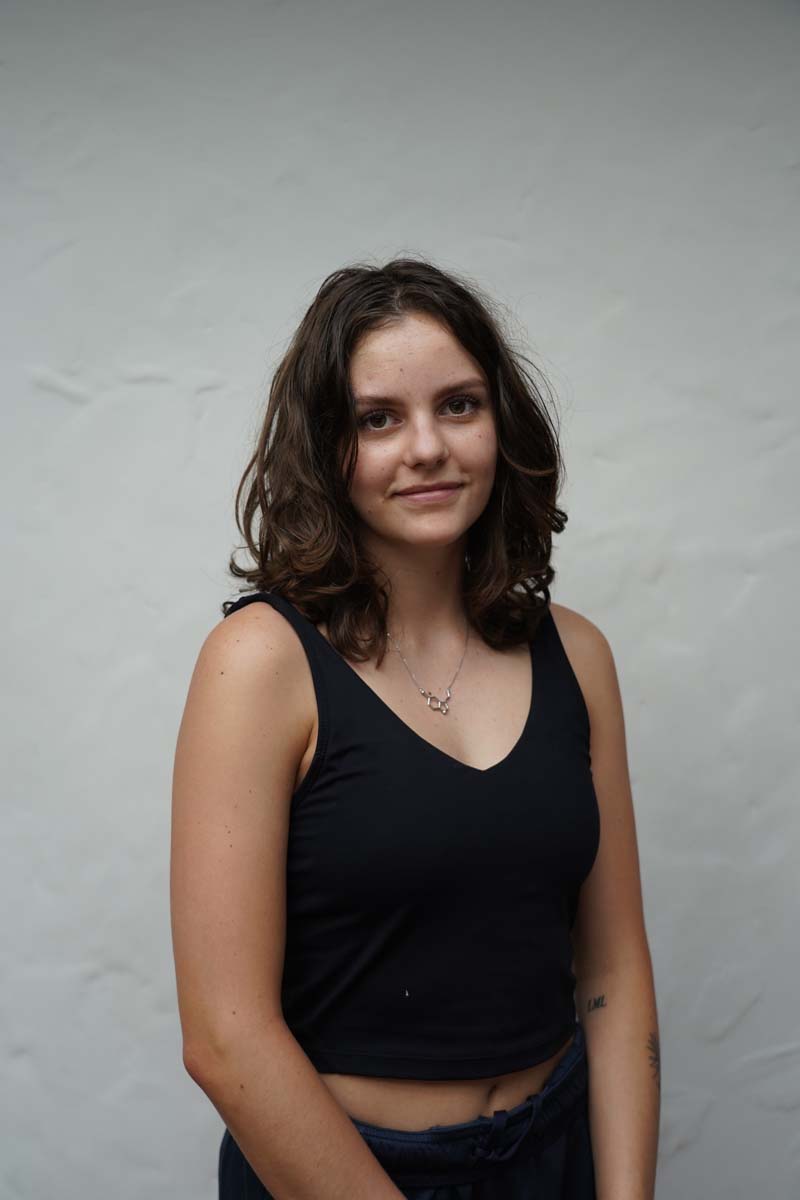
(373, 475)
(481, 452)
(370, 470)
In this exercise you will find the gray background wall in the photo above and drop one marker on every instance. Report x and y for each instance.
(178, 179)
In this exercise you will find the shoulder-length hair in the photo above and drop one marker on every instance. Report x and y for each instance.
(292, 503)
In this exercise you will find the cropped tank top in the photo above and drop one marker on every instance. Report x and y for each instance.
(429, 903)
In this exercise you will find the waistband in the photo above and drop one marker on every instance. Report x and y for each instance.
(471, 1150)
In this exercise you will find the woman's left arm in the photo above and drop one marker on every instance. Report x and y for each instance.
(615, 992)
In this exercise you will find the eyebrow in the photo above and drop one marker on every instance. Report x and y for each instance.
(472, 382)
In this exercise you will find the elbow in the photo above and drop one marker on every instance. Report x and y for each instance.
(208, 1056)
(614, 959)
(195, 1062)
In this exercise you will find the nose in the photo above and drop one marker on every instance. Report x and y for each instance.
(425, 443)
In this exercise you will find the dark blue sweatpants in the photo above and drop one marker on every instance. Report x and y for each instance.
(538, 1150)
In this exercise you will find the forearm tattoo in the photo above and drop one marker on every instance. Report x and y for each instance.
(653, 1047)
(655, 1058)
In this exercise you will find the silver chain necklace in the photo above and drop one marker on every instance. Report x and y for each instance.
(435, 703)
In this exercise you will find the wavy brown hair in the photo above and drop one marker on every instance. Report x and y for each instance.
(292, 503)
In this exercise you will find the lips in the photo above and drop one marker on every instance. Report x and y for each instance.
(434, 487)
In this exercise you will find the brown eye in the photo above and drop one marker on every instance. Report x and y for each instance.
(381, 412)
(461, 399)
(376, 412)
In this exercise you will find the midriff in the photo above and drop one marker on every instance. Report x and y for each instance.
(414, 1104)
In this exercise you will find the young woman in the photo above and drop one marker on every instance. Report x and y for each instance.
(407, 916)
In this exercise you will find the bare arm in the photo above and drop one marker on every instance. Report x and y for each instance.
(615, 991)
(297, 1138)
(243, 733)
(619, 1016)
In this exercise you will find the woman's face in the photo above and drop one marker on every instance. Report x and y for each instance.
(424, 416)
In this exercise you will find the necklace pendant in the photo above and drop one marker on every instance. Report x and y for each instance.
(437, 704)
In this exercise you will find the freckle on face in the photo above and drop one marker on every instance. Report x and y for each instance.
(410, 361)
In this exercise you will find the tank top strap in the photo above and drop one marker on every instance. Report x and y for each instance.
(565, 695)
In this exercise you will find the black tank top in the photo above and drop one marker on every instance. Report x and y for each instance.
(429, 903)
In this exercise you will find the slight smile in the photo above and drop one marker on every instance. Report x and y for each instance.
(430, 496)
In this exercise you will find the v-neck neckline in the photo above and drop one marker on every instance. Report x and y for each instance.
(533, 706)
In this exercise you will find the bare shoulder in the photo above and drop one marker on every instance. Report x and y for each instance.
(259, 644)
(589, 654)
(252, 662)
(577, 628)
(253, 623)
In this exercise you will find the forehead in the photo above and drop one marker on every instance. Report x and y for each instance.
(414, 352)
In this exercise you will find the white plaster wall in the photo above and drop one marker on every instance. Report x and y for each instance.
(177, 180)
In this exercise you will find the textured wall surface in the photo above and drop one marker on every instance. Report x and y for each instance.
(177, 180)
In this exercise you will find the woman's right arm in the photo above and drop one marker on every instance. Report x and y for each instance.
(243, 733)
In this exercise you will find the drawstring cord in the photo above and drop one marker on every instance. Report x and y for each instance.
(487, 1148)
